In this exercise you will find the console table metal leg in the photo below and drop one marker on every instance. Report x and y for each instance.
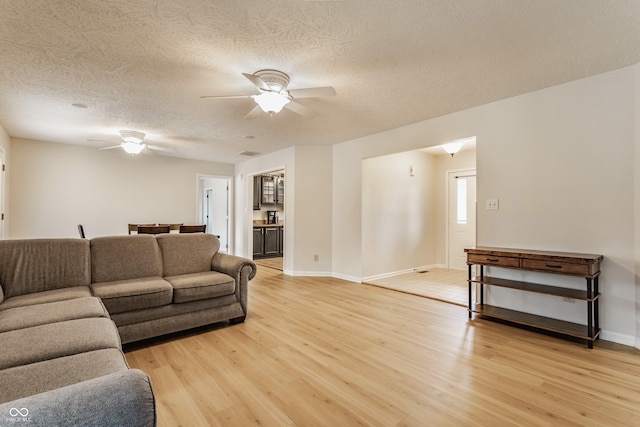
(589, 313)
(482, 285)
(596, 311)
(470, 294)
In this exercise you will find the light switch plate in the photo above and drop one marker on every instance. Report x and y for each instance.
(492, 204)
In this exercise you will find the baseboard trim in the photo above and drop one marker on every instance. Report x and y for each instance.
(346, 277)
(308, 273)
(401, 272)
(619, 338)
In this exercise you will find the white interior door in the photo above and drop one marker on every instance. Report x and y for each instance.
(461, 216)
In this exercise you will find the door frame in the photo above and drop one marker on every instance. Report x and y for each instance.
(3, 190)
(200, 189)
(465, 172)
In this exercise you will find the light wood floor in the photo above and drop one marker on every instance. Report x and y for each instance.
(270, 262)
(441, 284)
(325, 352)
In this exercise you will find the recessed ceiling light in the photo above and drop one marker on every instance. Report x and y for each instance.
(78, 105)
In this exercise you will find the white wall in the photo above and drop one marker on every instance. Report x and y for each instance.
(312, 211)
(55, 187)
(307, 226)
(399, 213)
(561, 161)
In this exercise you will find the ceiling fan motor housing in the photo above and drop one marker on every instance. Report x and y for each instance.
(277, 80)
(132, 136)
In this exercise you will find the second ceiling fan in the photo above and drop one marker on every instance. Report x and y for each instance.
(274, 94)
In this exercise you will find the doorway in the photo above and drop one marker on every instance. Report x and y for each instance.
(461, 216)
(213, 210)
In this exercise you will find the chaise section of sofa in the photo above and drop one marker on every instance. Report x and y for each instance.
(122, 398)
(56, 336)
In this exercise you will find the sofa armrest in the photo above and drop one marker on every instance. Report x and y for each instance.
(119, 399)
(241, 269)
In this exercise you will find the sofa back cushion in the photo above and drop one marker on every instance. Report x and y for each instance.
(36, 265)
(125, 257)
(187, 253)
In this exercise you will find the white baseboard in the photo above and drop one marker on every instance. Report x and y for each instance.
(346, 277)
(620, 338)
(308, 273)
(398, 273)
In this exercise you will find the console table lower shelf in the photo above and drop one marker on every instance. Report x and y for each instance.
(576, 330)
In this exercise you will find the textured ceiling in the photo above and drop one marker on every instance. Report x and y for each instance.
(143, 64)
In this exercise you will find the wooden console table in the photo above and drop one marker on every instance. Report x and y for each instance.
(580, 265)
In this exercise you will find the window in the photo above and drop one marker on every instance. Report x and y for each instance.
(461, 204)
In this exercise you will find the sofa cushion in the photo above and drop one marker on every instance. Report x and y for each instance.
(127, 295)
(124, 257)
(59, 311)
(60, 339)
(39, 377)
(46, 297)
(36, 265)
(187, 253)
(198, 286)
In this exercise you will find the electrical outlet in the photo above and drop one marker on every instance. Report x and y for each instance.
(316, 258)
(565, 299)
(492, 204)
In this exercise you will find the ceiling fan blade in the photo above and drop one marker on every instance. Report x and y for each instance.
(110, 148)
(158, 148)
(312, 92)
(253, 113)
(300, 109)
(225, 97)
(260, 84)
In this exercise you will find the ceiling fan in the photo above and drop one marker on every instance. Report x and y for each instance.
(132, 143)
(274, 95)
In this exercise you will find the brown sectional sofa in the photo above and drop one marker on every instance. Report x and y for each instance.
(67, 305)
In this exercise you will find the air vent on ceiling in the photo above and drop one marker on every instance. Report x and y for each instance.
(249, 153)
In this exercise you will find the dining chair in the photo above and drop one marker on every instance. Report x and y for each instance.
(134, 227)
(193, 228)
(173, 227)
(153, 229)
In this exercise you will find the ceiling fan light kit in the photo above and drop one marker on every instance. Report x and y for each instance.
(132, 147)
(272, 102)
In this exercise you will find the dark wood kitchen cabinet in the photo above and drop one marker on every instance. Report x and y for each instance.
(268, 190)
(258, 242)
(272, 241)
(257, 192)
(267, 241)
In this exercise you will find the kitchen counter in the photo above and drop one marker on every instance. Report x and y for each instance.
(264, 224)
